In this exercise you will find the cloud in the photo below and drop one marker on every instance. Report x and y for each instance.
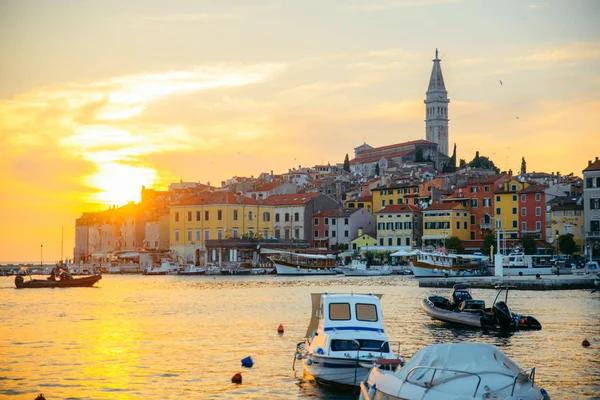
(379, 6)
(568, 52)
(190, 17)
(534, 6)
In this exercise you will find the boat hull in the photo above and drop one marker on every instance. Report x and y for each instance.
(366, 272)
(337, 371)
(468, 319)
(87, 281)
(283, 269)
(421, 270)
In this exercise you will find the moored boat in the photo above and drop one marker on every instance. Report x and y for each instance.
(191, 270)
(360, 268)
(288, 263)
(460, 308)
(442, 263)
(166, 268)
(86, 281)
(345, 338)
(454, 371)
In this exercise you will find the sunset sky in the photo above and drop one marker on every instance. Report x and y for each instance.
(98, 98)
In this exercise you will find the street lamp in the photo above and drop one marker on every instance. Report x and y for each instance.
(41, 255)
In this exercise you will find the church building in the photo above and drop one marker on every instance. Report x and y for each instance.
(433, 150)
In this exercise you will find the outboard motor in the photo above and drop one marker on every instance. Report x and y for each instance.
(503, 315)
(19, 281)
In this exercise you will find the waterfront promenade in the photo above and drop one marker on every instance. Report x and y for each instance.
(544, 282)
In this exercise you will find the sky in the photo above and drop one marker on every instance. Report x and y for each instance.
(98, 98)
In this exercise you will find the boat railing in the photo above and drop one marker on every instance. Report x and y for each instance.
(521, 375)
(390, 343)
(435, 370)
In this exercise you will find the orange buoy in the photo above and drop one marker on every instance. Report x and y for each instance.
(280, 329)
(237, 378)
(585, 343)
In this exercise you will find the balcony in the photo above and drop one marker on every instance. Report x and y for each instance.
(595, 234)
(489, 225)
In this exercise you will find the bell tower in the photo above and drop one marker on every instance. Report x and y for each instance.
(436, 108)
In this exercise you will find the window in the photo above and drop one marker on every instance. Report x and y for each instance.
(589, 183)
(235, 215)
(538, 211)
(316, 234)
(523, 212)
(398, 241)
(538, 196)
(332, 234)
(346, 233)
(219, 215)
(198, 215)
(486, 202)
(390, 242)
(457, 224)
(514, 224)
(486, 189)
(206, 234)
(497, 199)
(176, 235)
(465, 225)
(514, 197)
(326, 221)
(383, 203)
(473, 189)
(339, 311)
(538, 226)
(474, 203)
(296, 233)
(594, 204)
(326, 233)
(235, 233)
(266, 216)
(513, 188)
(219, 234)
(189, 216)
(287, 217)
(333, 221)
(523, 226)
(265, 233)
(514, 210)
(278, 234)
(198, 235)
(523, 198)
(296, 217)
(286, 233)
(497, 211)
(176, 217)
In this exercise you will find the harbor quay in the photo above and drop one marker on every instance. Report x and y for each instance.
(544, 282)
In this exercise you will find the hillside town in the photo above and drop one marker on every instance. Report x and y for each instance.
(394, 197)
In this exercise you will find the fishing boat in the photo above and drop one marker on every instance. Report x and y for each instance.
(360, 268)
(442, 263)
(453, 371)
(289, 263)
(86, 281)
(191, 269)
(460, 308)
(166, 268)
(344, 339)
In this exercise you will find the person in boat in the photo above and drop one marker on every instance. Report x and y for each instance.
(65, 275)
(52, 275)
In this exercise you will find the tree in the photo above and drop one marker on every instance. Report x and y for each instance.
(419, 155)
(377, 169)
(454, 243)
(483, 163)
(523, 166)
(566, 244)
(347, 163)
(488, 241)
(529, 245)
(453, 159)
(462, 163)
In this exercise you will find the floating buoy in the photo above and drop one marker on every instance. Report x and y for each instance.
(247, 362)
(280, 329)
(585, 343)
(237, 378)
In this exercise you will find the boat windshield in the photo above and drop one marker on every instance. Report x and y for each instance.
(365, 344)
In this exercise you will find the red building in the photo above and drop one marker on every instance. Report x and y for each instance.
(532, 211)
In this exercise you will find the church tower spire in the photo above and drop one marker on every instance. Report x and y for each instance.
(436, 108)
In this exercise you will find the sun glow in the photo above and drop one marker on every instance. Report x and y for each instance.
(119, 184)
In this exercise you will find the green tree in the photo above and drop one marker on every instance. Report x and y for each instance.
(377, 169)
(529, 245)
(523, 166)
(488, 241)
(419, 155)
(347, 163)
(453, 159)
(454, 243)
(462, 163)
(483, 163)
(566, 244)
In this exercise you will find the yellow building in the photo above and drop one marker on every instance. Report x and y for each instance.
(363, 240)
(443, 221)
(401, 193)
(506, 203)
(365, 202)
(567, 217)
(215, 216)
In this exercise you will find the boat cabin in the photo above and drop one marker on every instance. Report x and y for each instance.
(460, 292)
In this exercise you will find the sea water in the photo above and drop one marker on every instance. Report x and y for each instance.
(149, 337)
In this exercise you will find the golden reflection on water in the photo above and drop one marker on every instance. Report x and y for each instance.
(180, 337)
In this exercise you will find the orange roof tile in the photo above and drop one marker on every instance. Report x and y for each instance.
(398, 208)
(289, 199)
(593, 166)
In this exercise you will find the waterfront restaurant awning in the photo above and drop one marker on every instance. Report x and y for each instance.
(406, 253)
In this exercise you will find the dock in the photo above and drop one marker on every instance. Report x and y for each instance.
(544, 282)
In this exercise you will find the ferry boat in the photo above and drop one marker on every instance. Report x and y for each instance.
(442, 263)
(345, 338)
(289, 263)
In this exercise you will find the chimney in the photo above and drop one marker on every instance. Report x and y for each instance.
(589, 162)
(596, 158)
(510, 172)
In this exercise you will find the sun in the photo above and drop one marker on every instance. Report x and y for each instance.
(119, 184)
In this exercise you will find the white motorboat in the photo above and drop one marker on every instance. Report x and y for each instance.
(191, 270)
(519, 263)
(454, 371)
(360, 268)
(289, 263)
(442, 263)
(345, 338)
(166, 268)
